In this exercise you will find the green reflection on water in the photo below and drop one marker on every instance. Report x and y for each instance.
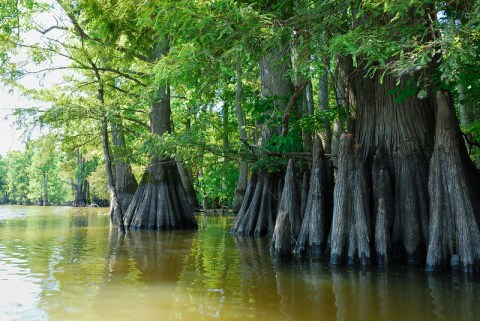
(66, 264)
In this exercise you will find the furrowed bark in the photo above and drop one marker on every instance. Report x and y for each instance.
(454, 197)
(288, 223)
(350, 235)
(316, 221)
(392, 120)
(383, 208)
(187, 182)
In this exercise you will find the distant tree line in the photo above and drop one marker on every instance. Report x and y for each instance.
(44, 175)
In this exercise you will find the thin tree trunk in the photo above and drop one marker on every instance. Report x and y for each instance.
(45, 201)
(116, 213)
(243, 174)
(469, 112)
(323, 104)
(125, 182)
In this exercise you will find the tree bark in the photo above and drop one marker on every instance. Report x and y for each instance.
(289, 218)
(351, 225)
(391, 120)
(454, 197)
(45, 201)
(187, 182)
(317, 219)
(383, 208)
(81, 185)
(323, 104)
(116, 213)
(469, 112)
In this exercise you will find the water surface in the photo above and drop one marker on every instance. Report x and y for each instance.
(66, 264)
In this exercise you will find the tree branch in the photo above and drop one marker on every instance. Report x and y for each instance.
(288, 109)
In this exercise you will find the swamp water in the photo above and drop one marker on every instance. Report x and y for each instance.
(66, 264)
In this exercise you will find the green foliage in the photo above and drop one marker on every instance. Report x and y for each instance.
(218, 183)
(44, 173)
(17, 178)
(3, 180)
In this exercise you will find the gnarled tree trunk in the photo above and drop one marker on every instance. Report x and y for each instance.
(383, 210)
(392, 121)
(454, 197)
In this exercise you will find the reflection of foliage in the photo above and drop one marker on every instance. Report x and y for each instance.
(211, 275)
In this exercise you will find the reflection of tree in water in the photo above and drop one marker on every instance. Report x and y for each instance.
(78, 220)
(259, 286)
(294, 299)
(320, 301)
(151, 256)
(455, 297)
(141, 273)
(390, 295)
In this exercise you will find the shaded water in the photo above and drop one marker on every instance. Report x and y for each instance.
(66, 264)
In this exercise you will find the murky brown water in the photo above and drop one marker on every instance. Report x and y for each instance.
(66, 264)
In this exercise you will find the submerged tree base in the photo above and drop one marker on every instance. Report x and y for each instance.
(258, 212)
(160, 201)
(313, 234)
(350, 236)
(454, 197)
(289, 220)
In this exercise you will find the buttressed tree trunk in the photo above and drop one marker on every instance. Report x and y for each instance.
(454, 197)
(317, 219)
(258, 211)
(187, 182)
(351, 227)
(289, 219)
(397, 127)
(160, 201)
